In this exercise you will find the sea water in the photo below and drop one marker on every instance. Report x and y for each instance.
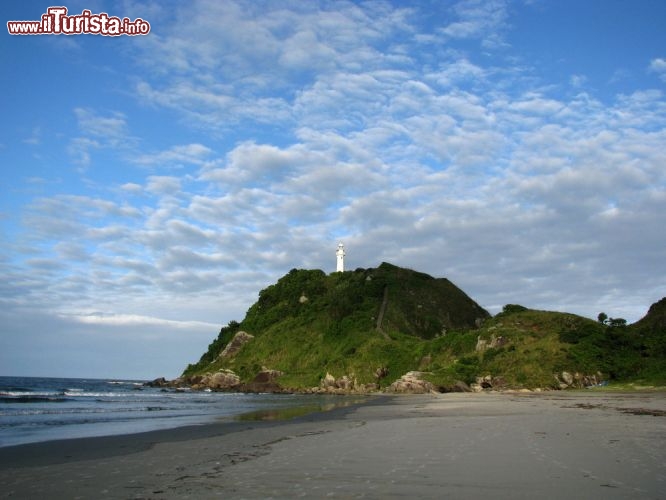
(43, 409)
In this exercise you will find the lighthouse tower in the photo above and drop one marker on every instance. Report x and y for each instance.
(340, 254)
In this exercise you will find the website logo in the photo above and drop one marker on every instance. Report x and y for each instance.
(56, 21)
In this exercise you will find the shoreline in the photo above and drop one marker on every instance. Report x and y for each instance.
(458, 445)
(59, 451)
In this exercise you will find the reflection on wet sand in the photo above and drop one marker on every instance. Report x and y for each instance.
(298, 411)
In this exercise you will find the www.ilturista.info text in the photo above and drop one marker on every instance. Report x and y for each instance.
(56, 22)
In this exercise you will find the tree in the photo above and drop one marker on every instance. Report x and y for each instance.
(615, 322)
(602, 318)
(513, 308)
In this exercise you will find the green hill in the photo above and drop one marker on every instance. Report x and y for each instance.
(374, 325)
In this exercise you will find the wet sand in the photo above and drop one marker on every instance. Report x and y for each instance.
(549, 445)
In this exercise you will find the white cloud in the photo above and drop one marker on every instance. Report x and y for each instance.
(534, 103)
(136, 320)
(578, 81)
(303, 50)
(195, 154)
(210, 107)
(163, 185)
(99, 132)
(258, 163)
(482, 19)
(658, 66)
(132, 187)
(79, 148)
(457, 72)
(111, 129)
(264, 56)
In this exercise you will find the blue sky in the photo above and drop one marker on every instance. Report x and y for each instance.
(150, 186)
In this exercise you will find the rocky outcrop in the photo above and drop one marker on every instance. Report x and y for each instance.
(220, 381)
(240, 339)
(411, 383)
(266, 381)
(327, 382)
(563, 380)
(158, 382)
(346, 384)
(567, 380)
(342, 385)
(228, 380)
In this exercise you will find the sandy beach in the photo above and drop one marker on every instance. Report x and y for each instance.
(534, 445)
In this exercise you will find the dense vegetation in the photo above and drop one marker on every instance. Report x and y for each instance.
(353, 323)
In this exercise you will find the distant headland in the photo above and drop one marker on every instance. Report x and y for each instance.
(393, 329)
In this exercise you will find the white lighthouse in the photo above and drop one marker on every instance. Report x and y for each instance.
(340, 254)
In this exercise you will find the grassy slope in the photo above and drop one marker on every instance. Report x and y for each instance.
(310, 323)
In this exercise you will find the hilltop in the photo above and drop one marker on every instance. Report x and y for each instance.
(391, 328)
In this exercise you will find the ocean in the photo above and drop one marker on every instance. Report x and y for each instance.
(43, 409)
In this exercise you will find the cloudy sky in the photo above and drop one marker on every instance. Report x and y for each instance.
(150, 186)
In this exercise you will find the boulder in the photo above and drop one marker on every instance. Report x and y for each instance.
(481, 384)
(222, 380)
(567, 378)
(489, 382)
(327, 381)
(158, 382)
(345, 383)
(412, 383)
(485, 382)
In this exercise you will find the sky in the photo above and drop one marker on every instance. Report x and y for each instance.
(151, 186)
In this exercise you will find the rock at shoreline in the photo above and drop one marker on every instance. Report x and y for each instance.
(342, 385)
(158, 382)
(346, 384)
(567, 380)
(222, 380)
(411, 383)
